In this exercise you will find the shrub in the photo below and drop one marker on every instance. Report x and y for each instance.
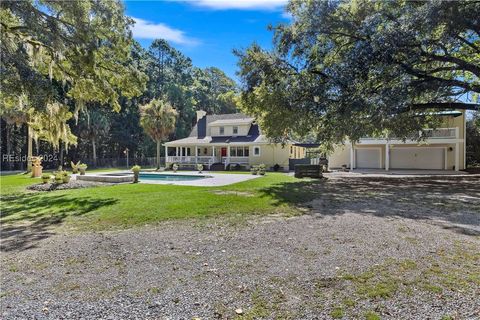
(200, 167)
(261, 169)
(136, 173)
(58, 177)
(65, 176)
(174, 167)
(46, 177)
(253, 170)
(276, 167)
(82, 167)
(75, 166)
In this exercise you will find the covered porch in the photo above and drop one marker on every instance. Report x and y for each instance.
(207, 154)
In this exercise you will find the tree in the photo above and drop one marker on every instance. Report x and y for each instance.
(158, 119)
(357, 68)
(70, 53)
(94, 127)
(170, 78)
(213, 91)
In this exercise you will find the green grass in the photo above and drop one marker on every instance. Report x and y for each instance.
(337, 312)
(138, 204)
(371, 315)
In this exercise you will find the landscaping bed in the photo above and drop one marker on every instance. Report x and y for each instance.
(72, 184)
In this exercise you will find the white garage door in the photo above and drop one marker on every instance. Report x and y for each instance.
(368, 158)
(417, 158)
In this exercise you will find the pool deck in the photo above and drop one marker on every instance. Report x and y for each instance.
(213, 179)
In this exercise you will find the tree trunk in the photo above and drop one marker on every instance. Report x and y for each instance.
(158, 154)
(29, 148)
(61, 155)
(9, 144)
(94, 150)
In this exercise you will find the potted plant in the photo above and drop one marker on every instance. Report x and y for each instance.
(58, 177)
(253, 170)
(46, 178)
(136, 173)
(65, 176)
(175, 167)
(82, 167)
(261, 169)
(75, 166)
(200, 167)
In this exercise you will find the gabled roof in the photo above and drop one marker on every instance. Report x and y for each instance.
(200, 128)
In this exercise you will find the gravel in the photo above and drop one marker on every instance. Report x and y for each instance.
(357, 233)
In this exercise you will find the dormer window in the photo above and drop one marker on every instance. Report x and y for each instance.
(222, 131)
(235, 130)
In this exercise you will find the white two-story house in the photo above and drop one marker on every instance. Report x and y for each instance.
(228, 140)
(442, 149)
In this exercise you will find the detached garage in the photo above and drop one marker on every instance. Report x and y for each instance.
(417, 158)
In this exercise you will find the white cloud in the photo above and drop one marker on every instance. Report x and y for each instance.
(240, 4)
(143, 29)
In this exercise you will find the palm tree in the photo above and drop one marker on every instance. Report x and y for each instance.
(94, 125)
(158, 119)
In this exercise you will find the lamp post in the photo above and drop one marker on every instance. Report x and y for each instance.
(126, 154)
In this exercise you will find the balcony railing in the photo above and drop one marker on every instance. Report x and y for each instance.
(439, 133)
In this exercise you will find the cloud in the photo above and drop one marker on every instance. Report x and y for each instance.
(240, 4)
(143, 29)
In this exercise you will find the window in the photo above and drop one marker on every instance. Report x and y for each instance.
(222, 131)
(256, 151)
(235, 130)
(239, 151)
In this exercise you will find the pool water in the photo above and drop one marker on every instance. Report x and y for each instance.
(168, 177)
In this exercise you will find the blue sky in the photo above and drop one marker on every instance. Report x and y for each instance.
(207, 30)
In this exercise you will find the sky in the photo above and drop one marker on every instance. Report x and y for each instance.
(207, 30)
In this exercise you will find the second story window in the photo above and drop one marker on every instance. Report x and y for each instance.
(235, 130)
(222, 131)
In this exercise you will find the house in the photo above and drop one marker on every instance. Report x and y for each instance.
(226, 140)
(442, 149)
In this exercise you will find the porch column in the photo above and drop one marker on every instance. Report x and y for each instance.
(228, 152)
(213, 152)
(176, 151)
(352, 157)
(387, 156)
(166, 155)
(196, 154)
(457, 156)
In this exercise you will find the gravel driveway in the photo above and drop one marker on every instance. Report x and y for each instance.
(393, 248)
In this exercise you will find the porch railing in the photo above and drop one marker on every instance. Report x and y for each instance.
(190, 159)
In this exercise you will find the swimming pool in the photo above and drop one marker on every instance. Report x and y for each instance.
(169, 177)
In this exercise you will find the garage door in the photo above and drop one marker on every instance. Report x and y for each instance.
(368, 158)
(417, 158)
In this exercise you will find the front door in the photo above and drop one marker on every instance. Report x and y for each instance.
(224, 152)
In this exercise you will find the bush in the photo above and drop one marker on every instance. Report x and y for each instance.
(65, 176)
(276, 167)
(58, 177)
(253, 170)
(75, 166)
(46, 177)
(82, 167)
(200, 167)
(136, 173)
(174, 167)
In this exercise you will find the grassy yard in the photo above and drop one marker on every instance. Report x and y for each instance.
(136, 204)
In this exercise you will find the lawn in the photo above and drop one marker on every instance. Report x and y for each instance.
(137, 204)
